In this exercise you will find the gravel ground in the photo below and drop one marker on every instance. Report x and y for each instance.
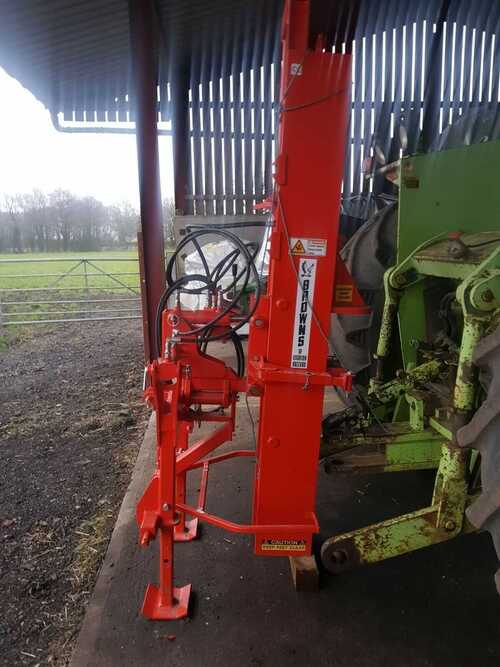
(71, 422)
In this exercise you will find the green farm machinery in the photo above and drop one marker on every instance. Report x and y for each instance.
(432, 398)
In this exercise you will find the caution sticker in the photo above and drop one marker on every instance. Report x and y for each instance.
(343, 293)
(283, 545)
(308, 247)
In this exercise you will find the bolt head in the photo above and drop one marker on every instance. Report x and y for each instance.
(282, 304)
(487, 296)
(165, 507)
(450, 526)
(399, 279)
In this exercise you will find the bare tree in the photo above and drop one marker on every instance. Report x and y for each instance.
(33, 213)
(168, 219)
(12, 204)
(40, 219)
(63, 205)
(62, 221)
(124, 220)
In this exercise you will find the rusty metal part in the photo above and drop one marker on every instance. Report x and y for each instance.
(482, 433)
(457, 248)
(441, 521)
(396, 448)
(407, 381)
(382, 540)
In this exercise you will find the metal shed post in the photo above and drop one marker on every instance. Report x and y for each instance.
(180, 137)
(144, 55)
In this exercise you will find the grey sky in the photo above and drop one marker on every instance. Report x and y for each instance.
(34, 155)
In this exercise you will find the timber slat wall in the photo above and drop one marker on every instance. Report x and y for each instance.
(409, 66)
(422, 63)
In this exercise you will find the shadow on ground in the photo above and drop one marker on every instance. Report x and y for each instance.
(434, 607)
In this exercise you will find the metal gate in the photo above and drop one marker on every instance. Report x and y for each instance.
(83, 290)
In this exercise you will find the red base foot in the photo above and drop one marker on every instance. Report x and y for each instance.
(190, 532)
(153, 608)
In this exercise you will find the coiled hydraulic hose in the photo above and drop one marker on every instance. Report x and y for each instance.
(211, 283)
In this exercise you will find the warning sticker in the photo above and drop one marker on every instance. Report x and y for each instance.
(308, 247)
(283, 545)
(343, 293)
(298, 248)
(303, 313)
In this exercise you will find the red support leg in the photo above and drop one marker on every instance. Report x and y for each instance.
(166, 602)
(184, 531)
(156, 512)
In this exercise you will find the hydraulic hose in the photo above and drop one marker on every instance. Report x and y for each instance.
(211, 281)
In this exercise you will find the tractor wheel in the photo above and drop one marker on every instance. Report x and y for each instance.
(482, 433)
(367, 255)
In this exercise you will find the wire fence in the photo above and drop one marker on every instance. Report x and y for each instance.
(54, 290)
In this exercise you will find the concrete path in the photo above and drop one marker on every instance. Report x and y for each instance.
(434, 607)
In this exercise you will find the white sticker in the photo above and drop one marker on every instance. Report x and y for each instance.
(296, 69)
(308, 247)
(303, 313)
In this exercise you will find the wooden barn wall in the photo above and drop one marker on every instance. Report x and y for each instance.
(422, 67)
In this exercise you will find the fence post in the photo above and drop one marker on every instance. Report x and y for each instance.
(87, 292)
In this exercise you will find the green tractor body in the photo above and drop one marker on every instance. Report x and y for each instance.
(441, 408)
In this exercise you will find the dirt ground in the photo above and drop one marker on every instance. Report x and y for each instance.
(71, 422)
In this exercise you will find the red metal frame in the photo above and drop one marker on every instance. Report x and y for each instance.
(288, 340)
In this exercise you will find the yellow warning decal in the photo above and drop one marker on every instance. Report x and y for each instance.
(308, 247)
(298, 248)
(343, 293)
(283, 545)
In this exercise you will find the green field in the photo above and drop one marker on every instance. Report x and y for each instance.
(17, 272)
(59, 286)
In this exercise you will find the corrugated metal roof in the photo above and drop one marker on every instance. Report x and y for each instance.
(75, 55)
(422, 63)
